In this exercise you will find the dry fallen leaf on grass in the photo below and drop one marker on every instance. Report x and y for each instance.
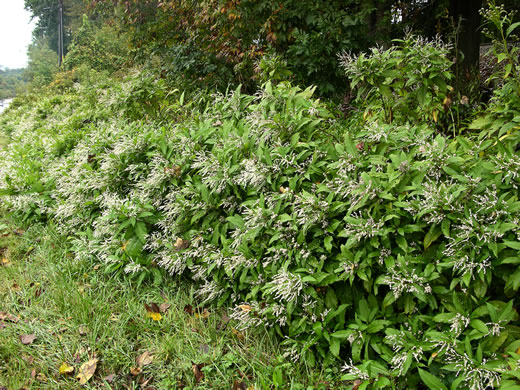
(110, 378)
(86, 371)
(135, 371)
(163, 307)
(144, 359)
(27, 339)
(238, 385)
(197, 371)
(203, 315)
(5, 261)
(8, 317)
(239, 334)
(66, 369)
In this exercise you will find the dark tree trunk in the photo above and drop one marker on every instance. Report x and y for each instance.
(467, 11)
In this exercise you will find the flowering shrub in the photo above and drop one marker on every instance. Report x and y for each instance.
(389, 249)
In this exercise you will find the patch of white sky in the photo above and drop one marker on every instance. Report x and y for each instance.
(15, 33)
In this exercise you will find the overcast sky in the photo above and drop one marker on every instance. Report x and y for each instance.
(15, 33)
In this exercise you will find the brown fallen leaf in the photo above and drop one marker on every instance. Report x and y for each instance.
(225, 318)
(153, 311)
(83, 330)
(27, 339)
(144, 359)
(181, 244)
(239, 334)
(110, 378)
(163, 307)
(28, 359)
(245, 308)
(65, 369)
(357, 383)
(203, 315)
(86, 371)
(188, 309)
(135, 371)
(19, 232)
(197, 371)
(41, 377)
(238, 385)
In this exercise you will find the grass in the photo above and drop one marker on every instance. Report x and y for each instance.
(78, 313)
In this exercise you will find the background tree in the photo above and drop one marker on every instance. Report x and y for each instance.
(46, 11)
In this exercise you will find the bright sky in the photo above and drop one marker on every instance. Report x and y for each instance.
(15, 33)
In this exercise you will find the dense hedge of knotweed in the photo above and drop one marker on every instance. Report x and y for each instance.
(390, 249)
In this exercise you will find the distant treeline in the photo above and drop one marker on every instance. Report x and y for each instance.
(11, 81)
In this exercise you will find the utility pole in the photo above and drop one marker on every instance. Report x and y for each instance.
(60, 32)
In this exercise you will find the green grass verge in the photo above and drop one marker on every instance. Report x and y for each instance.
(77, 313)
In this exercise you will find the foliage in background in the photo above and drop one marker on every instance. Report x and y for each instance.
(11, 82)
(42, 65)
(102, 49)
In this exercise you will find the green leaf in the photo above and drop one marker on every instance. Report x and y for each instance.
(140, 231)
(513, 244)
(479, 325)
(431, 381)
(512, 28)
(334, 346)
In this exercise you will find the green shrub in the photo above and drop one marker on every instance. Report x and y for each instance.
(393, 250)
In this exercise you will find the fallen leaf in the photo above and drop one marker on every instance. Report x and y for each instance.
(203, 315)
(163, 307)
(83, 330)
(357, 383)
(152, 307)
(41, 377)
(33, 374)
(181, 244)
(144, 359)
(66, 369)
(240, 335)
(144, 382)
(86, 371)
(245, 308)
(19, 232)
(110, 378)
(96, 267)
(237, 385)
(188, 309)
(197, 371)
(27, 339)
(28, 359)
(225, 318)
(5, 261)
(135, 371)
